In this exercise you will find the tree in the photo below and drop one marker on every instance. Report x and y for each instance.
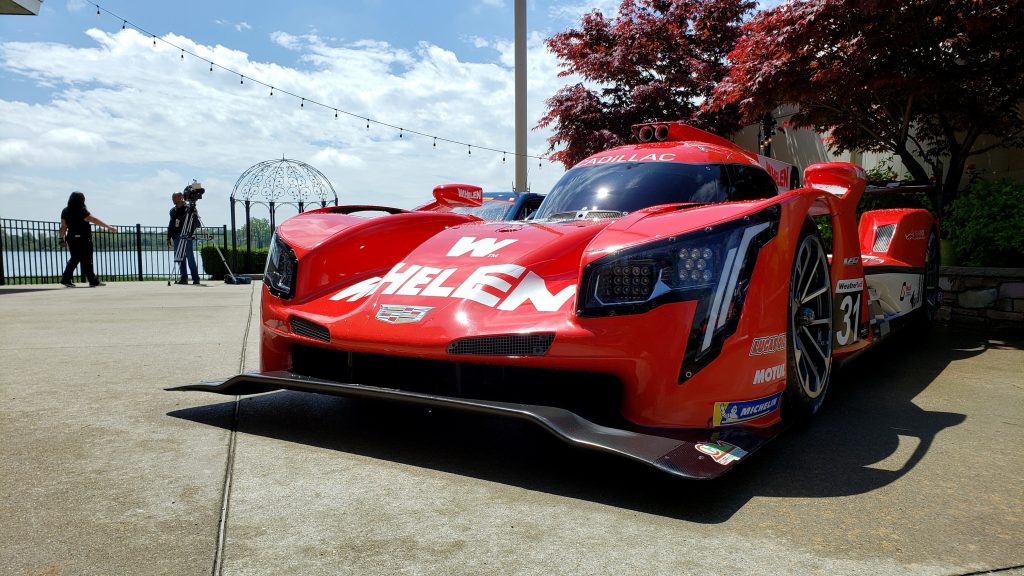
(260, 233)
(922, 79)
(657, 60)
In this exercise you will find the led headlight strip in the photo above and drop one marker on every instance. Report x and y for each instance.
(279, 275)
(719, 305)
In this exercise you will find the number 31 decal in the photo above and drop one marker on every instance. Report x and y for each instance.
(847, 311)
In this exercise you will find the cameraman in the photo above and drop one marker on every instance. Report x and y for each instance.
(174, 237)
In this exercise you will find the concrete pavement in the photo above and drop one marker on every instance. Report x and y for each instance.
(912, 467)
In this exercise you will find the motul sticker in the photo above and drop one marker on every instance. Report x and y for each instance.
(768, 344)
(721, 451)
(729, 413)
(855, 285)
(765, 375)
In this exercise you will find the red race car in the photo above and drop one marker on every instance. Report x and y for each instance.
(666, 302)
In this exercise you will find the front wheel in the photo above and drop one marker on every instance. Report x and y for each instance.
(809, 338)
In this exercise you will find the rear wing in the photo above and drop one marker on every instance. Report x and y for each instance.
(786, 176)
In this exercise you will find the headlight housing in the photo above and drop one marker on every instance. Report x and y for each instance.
(712, 266)
(279, 275)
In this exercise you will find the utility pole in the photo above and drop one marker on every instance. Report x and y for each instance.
(520, 42)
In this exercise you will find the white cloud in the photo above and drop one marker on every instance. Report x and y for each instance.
(574, 11)
(129, 123)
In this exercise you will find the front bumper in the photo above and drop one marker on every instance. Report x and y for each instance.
(697, 454)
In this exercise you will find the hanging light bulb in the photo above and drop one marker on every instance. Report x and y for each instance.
(400, 130)
(271, 90)
(303, 103)
(435, 141)
(211, 66)
(469, 150)
(182, 53)
(335, 112)
(154, 41)
(241, 79)
(367, 123)
(502, 157)
(97, 9)
(123, 22)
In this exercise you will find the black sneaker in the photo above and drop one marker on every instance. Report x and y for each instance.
(195, 282)
(68, 285)
(97, 284)
(181, 282)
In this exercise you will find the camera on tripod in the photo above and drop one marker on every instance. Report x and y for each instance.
(193, 192)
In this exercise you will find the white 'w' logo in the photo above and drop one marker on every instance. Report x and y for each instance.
(478, 248)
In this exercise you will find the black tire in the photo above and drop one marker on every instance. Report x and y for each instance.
(809, 332)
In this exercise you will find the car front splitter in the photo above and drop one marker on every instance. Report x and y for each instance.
(698, 454)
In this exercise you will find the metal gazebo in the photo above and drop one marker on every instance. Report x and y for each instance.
(276, 183)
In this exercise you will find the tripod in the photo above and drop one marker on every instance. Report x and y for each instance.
(189, 228)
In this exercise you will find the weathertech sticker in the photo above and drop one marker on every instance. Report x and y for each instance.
(721, 451)
(729, 413)
(855, 285)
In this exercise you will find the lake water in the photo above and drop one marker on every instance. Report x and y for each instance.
(155, 263)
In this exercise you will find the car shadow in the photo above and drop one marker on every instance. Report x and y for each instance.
(868, 434)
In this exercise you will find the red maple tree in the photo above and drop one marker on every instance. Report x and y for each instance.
(922, 79)
(656, 60)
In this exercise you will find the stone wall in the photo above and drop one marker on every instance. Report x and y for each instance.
(982, 296)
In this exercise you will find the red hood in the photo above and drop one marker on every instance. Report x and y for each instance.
(475, 277)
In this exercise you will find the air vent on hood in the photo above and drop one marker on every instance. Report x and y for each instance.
(883, 236)
(309, 329)
(507, 345)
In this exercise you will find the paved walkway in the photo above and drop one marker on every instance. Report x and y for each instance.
(913, 466)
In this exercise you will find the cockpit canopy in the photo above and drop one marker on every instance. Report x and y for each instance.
(618, 188)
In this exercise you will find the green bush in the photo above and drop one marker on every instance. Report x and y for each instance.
(986, 225)
(236, 259)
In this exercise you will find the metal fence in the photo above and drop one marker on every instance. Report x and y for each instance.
(30, 252)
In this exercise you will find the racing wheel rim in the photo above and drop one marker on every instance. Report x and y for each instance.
(811, 317)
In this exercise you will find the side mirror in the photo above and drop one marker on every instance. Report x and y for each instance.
(459, 195)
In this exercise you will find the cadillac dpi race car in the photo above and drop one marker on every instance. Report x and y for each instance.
(666, 302)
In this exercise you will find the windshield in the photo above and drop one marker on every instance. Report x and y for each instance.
(489, 210)
(629, 186)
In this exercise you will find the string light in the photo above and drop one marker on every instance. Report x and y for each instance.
(241, 80)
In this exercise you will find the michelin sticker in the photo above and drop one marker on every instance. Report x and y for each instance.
(729, 413)
(721, 451)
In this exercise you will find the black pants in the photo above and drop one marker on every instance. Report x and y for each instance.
(81, 251)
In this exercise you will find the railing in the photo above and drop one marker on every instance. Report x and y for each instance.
(30, 252)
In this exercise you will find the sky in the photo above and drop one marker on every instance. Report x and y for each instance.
(88, 103)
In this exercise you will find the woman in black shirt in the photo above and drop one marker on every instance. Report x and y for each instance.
(76, 230)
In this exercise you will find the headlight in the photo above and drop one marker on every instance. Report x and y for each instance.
(280, 273)
(712, 266)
